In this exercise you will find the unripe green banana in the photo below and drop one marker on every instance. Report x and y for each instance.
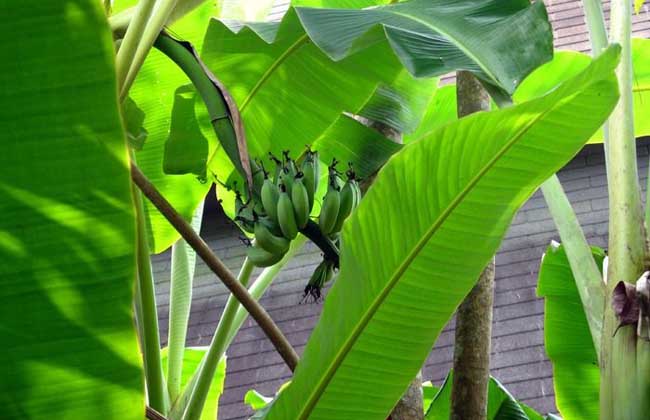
(258, 173)
(308, 168)
(268, 241)
(300, 201)
(262, 258)
(287, 179)
(271, 225)
(330, 209)
(278, 168)
(345, 207)
(270, 195)
(286, 216)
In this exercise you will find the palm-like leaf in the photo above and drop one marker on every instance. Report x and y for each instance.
(415, 246)
(67, 229)
(566, 64)
(500, 42)
(569, 346)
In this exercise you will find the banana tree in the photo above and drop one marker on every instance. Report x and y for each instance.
(77, 352)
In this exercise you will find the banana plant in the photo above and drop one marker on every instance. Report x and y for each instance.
(81, 357)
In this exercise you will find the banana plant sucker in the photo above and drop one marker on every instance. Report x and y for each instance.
(625, 358)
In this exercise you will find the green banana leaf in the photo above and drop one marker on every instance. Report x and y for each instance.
(67, 232)
(255, 400)
(400, 105)
(564, 65)
(500, 42)
(192, 357)
(406, 244)
(186, 148)
(441, 110)
(501, 405)
(576, 375)
(429, 392)
(161, 92)
(349, 141)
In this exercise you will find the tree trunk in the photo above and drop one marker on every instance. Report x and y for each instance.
(474, 315)
(410, 406)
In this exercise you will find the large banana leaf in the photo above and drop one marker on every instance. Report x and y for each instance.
(566, 64)
(441, 110)
(415, 246)
(500, 42)
(399, 105)
(67, 232)
(569, 346)
(501, 405)
(349, 141)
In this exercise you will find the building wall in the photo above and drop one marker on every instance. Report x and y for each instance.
(518, 357)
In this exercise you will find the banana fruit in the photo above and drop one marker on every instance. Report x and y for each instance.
(286, 215)
(331, 204)
(261, 257)
(280, 207)
(300, 200)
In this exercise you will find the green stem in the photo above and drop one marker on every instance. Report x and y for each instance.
(231, 328)
(180, 300)
(275, 335)
(131, 39)
(262, 283)
(151, 31)
(216, 350)
(148, 313)
(623, 394)
(585, 271)
(120, 21)
(596, 25)
(183, 55)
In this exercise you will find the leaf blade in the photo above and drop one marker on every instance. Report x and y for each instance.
(68, 230)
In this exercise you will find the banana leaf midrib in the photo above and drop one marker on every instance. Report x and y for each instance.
(345, 349)
(304, 39)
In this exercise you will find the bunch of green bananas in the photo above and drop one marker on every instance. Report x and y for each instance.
(339, 201)
(279, 207)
